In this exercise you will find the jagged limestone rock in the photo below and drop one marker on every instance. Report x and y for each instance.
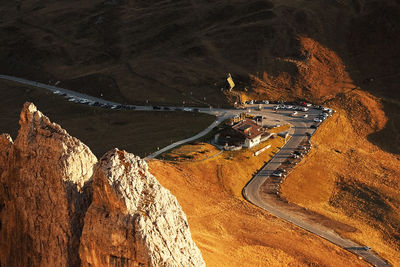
(41, 197)
(5, 144)
(148, 224)
(46, 192)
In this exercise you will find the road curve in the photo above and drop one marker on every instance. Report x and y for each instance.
(195, 137)
(251, 191)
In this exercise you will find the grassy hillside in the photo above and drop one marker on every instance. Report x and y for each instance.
(343, 53)
(348, 179)
(230, 231)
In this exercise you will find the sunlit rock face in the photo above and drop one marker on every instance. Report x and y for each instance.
(134, 219)
(60, 207)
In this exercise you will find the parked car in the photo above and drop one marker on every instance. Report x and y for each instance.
(317, 119)
(281, 170)
(305, 116)
(277, 174)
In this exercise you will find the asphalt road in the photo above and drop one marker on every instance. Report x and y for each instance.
(251, 192)
(195, 137)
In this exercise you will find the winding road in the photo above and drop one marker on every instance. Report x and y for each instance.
(300, 126)
(274, 205)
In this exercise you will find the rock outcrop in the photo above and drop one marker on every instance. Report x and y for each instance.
(43, 173)
(5, 144)
(59, 207)
(133, 218)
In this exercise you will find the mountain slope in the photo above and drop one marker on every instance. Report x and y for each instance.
(343, 53)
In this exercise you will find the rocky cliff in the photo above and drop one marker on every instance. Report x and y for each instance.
(60, 207)
(132, 217)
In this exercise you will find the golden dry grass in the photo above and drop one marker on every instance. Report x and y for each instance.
(191, 152)
(228, 230)
(279, 129)
(348, 176)
(350, 180)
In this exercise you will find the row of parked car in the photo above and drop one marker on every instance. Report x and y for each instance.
(301, 103)
(290, 163)
(326, 112)
(252, 102)
(290, 107)
(176, 109)
(278, 176)
(302, 106)
(301, 151)
(279, 173)
(85, 101)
